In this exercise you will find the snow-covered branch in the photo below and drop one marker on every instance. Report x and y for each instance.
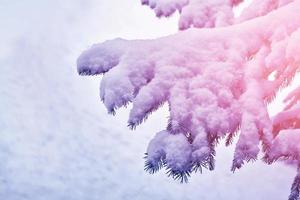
(213, 13)
(215, 82)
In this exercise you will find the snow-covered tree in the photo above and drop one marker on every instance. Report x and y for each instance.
(217, 75)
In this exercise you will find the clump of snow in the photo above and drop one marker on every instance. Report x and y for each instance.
(196, 13)
(213, 13)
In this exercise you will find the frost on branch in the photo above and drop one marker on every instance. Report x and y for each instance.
(215, 82)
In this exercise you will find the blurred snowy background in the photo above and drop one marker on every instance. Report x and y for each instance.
(57, 141)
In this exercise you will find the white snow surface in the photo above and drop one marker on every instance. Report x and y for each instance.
(57, 141)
